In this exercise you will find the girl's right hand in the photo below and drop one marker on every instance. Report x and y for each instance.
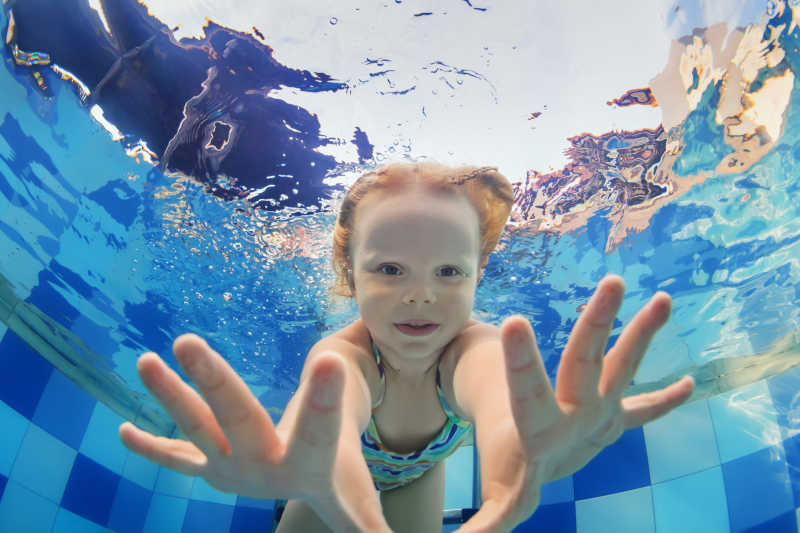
(235, 447)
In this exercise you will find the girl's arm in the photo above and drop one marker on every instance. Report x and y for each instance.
(528, 434)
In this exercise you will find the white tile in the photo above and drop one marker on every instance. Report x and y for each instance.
(678, 505)
(669, 457)
(14, 428)
(44, 464)
(745, 421)
(624, 512)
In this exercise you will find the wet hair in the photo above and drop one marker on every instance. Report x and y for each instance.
(488, 191)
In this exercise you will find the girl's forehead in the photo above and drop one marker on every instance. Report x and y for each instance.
(415, 215)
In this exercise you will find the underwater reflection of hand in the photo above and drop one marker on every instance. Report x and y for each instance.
(233, 443)
(550, 434)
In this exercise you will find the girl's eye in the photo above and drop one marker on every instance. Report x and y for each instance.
(389, 270)
(453, 271)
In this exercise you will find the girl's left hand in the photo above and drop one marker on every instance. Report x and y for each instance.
(549, 435)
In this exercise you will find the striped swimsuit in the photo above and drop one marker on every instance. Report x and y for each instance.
(392, 470)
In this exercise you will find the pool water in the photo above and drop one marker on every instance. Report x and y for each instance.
(156, 180)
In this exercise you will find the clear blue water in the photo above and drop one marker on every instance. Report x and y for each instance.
(105, 254)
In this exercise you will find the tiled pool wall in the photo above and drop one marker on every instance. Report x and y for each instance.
(726, 464)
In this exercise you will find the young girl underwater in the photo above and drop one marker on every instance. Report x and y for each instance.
(382, 402)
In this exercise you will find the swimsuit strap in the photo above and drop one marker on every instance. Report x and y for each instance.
(380, 369)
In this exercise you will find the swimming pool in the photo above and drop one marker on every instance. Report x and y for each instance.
(152, 185)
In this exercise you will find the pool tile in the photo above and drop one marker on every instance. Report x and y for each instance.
(553, 518)
(255, 503)
(249, 519)
(755, 499)
(624, 512)
(174, 483)
(603, 475)
(14, 428)
(792, 448)
(786, 398)
(90, 490)
(22, 510)
(3, 482)
(68, 522)
(787, 522)
(64, 410)
(557, 491)
(129, 508)
(43, 464)
(101, 442)
(202, 517)
(458, 479)
(676, 503)
(669, 457)
(141, 470)
(202, 491)
(165, 514)
(23, 375)
(744, 421)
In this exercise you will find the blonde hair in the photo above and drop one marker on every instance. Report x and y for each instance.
(489, 192)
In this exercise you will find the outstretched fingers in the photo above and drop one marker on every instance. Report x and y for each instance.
(642, 408)
(245, 423)
(178, 455)
(582, 361)
(529, 388)
(624, 358)
(314, 438)
(183, 404)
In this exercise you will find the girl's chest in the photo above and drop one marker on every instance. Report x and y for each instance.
(407, 421)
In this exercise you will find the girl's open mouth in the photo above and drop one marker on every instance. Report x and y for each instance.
(417, 331)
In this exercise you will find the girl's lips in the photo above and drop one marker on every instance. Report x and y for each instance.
(417, 331)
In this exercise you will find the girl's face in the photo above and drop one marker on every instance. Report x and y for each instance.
(415, 256)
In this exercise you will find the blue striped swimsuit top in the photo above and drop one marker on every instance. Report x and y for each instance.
(392, 470)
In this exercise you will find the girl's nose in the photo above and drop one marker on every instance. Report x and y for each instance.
(419, 293)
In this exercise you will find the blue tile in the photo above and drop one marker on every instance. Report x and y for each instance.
(43, 464)
(3, 481)
(141, 470)
(174, 483)
(676, 503)
(23, 375)
(623, 512)
(557, 491)
(670, 458)
(248, 520)
(758, 488)
(64, 410)
(554, 518)
(129, 508)
(202, 491)
(101, 442)
(15, 426)
(785, 523)
(67, 522)
(166, 514)
(786, 398)
(744, 421)
(90, 490)
(22, 509)
(202, 517)
(243, 501)
(605, 473)
(792, 449)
